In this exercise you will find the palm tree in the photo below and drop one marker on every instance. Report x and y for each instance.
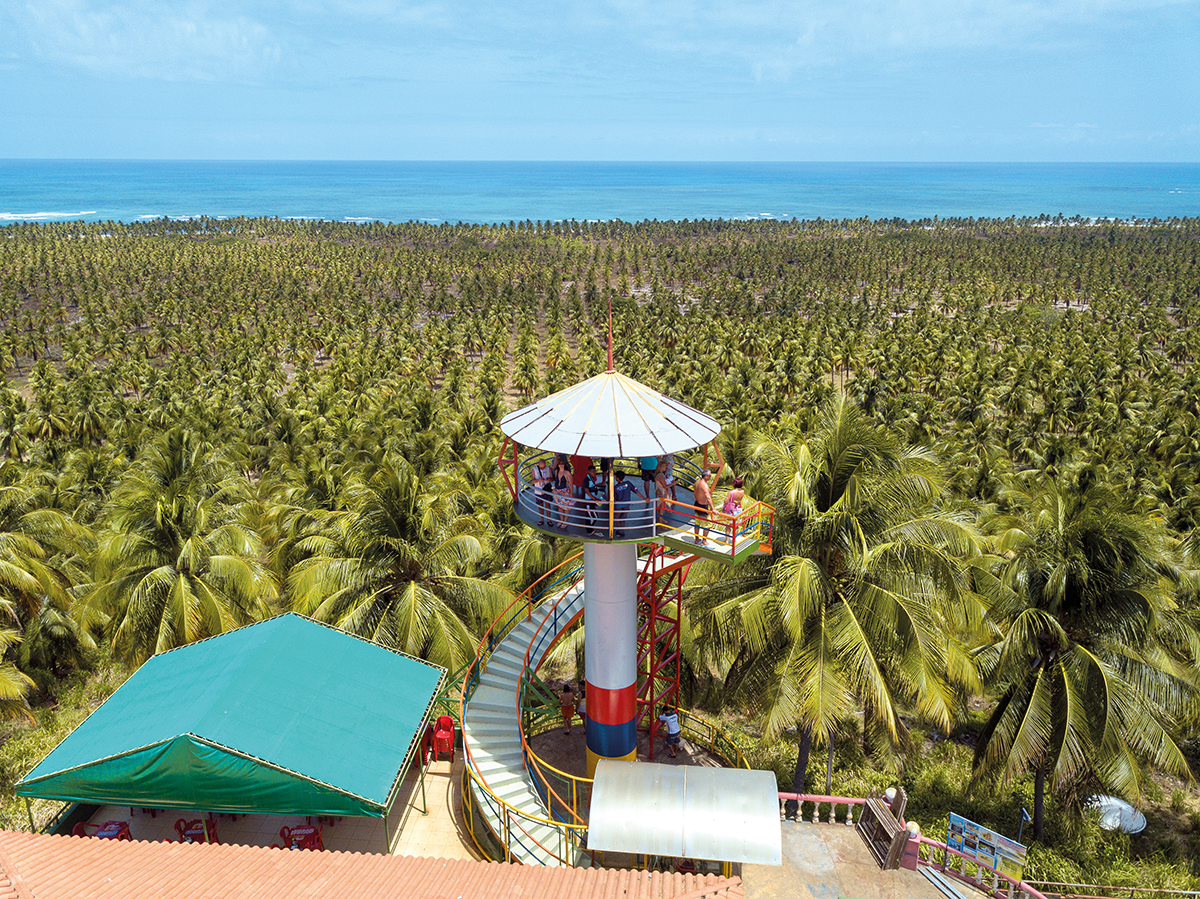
(1092, 658)
(14, 684)
(397, 570)
(868, 578)
(175, 562)
(32, 538)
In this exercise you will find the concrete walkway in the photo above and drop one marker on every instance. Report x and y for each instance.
(443, 832)
(830, 861)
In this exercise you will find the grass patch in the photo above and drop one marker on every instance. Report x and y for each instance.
(23, 745)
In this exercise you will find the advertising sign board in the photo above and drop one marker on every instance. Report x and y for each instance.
(986, 846)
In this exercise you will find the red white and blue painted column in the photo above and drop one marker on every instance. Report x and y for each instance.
(610, 643)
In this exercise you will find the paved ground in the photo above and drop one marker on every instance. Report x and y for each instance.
(821, 861)
(830, 861)
(442, 833)
(569, 753)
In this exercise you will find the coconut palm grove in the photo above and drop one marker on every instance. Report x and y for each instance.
(981, 439)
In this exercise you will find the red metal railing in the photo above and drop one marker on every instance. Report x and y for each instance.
(994, 889)
(1008, 891)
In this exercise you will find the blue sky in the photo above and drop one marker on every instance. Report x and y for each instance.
(841, 80)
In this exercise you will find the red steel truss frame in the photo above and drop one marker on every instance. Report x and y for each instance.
(660, 597)
(509, 464)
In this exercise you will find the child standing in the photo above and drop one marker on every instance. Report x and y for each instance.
(567, 701)
(670, 721)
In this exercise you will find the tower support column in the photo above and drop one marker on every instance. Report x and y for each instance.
(610, 644)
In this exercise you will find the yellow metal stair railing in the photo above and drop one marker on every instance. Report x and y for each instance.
(514, 824)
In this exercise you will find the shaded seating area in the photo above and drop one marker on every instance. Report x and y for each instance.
(198, 830)
(109, 830)
(283, 717)
(302, 836)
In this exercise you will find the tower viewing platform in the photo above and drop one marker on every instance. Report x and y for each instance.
(627, 472)
(630, 461)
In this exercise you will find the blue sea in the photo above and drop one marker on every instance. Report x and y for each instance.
(486, 192)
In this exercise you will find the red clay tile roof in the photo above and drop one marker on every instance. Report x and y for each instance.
(41, 866)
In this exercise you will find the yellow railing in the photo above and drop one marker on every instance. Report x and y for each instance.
(724, 533)
(515, 827)
(567, 795)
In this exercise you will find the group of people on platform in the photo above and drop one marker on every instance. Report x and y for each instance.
(571, 491)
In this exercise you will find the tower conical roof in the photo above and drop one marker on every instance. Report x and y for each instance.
(610, 415)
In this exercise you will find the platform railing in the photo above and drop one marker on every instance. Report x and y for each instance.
(721, 532)
(816, 801)
(631, 520)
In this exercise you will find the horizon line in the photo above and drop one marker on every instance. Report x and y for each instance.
(773, 162)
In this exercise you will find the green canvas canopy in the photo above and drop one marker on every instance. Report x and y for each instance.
(286, 716)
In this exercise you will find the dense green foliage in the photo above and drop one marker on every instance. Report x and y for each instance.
(205, 422)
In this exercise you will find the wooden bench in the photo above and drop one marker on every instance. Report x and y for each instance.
(882, 832)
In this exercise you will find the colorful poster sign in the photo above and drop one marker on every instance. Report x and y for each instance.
(986, 846)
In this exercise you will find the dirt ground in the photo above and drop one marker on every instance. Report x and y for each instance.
(569, 753)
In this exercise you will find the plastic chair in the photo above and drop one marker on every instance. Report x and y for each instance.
(443, 738)
(81, 829)
(182, 826)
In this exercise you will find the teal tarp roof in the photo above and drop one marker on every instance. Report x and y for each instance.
(283, 716)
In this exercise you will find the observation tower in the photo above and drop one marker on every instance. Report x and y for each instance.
(636, 551)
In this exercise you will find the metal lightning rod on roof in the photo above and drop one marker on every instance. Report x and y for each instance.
(610, 362)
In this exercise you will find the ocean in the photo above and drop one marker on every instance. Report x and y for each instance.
(489, 192)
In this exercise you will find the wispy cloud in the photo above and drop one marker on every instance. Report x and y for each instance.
(141, 39)
(770, 40)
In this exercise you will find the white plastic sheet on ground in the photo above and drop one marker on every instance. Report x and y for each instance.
(1117, 814)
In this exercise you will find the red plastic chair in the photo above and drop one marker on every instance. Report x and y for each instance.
(81, 829)
(443, 737)
(291, 840)
(314, 841)
(182, 826)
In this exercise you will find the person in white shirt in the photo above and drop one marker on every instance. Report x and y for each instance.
(670, 722)
(541, 489)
